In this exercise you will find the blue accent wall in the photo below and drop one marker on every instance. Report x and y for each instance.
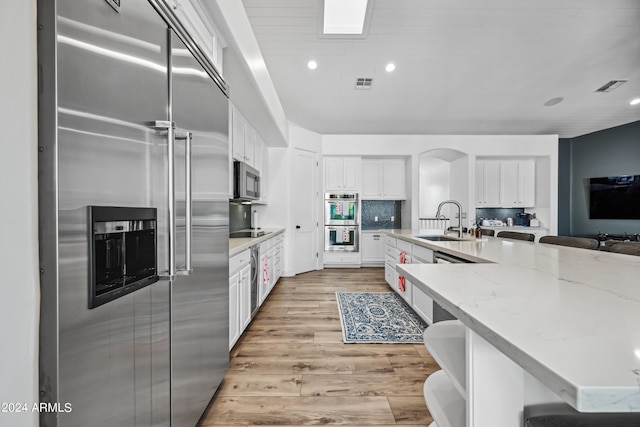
(614, 151)
(564, 187)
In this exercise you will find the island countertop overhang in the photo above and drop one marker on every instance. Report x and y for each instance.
(567, 316)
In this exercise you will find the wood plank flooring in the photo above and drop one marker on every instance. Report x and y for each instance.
(292, 368)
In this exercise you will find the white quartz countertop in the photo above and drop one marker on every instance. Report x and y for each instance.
(239, 244)
(570, 317)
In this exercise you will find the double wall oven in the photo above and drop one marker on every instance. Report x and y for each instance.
(341, 222)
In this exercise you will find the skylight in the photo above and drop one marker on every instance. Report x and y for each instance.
(344, 16)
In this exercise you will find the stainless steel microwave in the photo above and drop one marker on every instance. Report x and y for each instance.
(246, 182)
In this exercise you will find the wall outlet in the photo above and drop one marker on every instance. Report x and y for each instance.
(375, 218)
(392, 218)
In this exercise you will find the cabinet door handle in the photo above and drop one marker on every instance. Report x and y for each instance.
(298, 227)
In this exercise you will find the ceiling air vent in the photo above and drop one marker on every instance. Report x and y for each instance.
(363, 83)
(610, 86)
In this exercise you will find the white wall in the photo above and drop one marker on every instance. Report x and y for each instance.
(434, 185)
(19, 286)
(281, 192)
(545, 146)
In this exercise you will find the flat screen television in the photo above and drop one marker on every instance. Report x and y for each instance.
(614, 197)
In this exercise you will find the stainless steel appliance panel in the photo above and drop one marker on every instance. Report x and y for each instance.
(142, 356)
(200, 297)
(111, 80)
(342, 238)
(341, 209)
(160, 354)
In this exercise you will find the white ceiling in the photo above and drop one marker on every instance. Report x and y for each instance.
(463, 66)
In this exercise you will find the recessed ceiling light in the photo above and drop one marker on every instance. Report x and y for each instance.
(312, 65)
(390, 67)
(344, 17)
(635, 101)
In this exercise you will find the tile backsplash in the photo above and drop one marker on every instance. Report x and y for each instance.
(383, 211)
(239, 217)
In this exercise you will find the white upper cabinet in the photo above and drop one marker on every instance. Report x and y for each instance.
(371, 179)
(249, 145)
(237, 134)
(342, 173)
(190, 13)
(394, 179)
(517, 183)
(383, 179)
(527, 183)
(487, 183)
(246, 144)
(505, 183)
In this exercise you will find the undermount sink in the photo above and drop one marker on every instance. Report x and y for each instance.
(439, 238)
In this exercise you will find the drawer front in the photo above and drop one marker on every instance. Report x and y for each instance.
(389, 275)
(236, 262)
(403, 246)
(394, 253)
(279, 238)
(390, 241)
(404, 289)
(390, 260)
(425, 255)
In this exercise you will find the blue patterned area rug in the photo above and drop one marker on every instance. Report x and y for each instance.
(378, 317)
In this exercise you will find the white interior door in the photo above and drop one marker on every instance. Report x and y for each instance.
(305, 211)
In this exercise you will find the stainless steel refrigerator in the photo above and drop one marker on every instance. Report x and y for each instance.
(131, 115)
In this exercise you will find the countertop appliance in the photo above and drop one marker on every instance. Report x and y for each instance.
(131, 114)
(492, 223)
(246, 182)
(523, 219)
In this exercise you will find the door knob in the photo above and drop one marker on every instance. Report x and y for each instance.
(297, 226)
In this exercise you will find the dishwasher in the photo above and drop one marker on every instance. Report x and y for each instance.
(439, 313)
(255, 258)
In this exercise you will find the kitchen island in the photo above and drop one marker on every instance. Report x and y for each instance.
(544, 324)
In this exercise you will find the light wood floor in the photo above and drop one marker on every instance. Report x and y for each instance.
(291, 367)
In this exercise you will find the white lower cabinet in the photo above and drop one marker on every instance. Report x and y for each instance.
(270, 267)
(264, 277)
(422, 304)
(372, 248)
(245, 297)
(234, 318)
(397, 252)
(239, 295)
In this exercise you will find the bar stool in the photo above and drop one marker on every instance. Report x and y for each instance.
(573, 242)
(516, 236)
(627, 419)
(487, 232)
(629, 248)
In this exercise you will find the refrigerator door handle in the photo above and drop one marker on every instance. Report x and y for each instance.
(188, 137)
(167, 126)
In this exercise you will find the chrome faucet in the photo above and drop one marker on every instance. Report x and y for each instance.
(455, 202)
